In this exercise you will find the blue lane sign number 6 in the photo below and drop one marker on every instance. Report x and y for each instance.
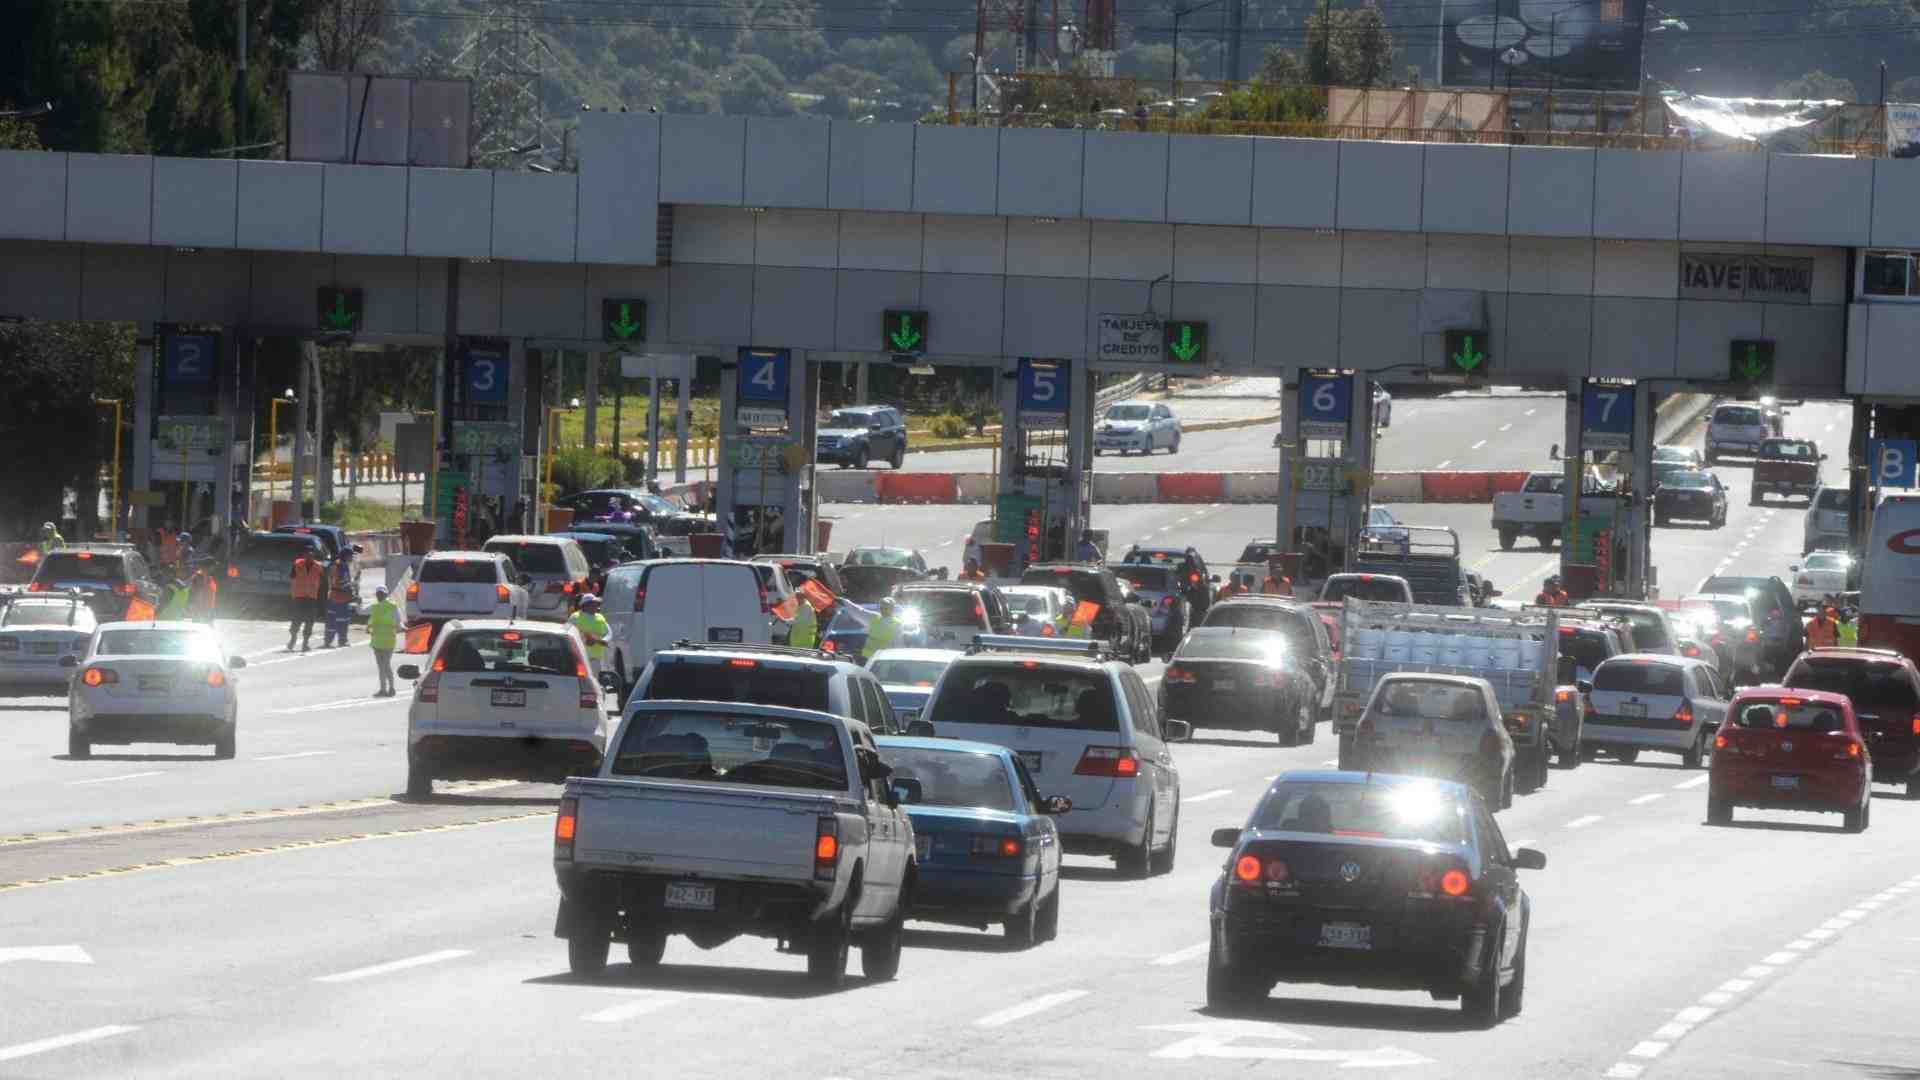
(1606, 416)
(1891, 462)
(1326, 404)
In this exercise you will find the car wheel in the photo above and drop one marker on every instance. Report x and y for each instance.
(1570, 756)
(1023, 928)
(1506, 790)
(1049, 928)
(1627, 755)
(1346, 753)
(1855, 820)
(1313, 728)
(1513, 998)
(827, 952)
(1712, 458)
(1162, 860)
(419, 780)
(1754, 499)
(1661, 521)
(1695, 755)
(880, 953)
(1480, 1003)
(1137, 862)
(860, 460)
(1174, 447)
(588, 944)
(1913, 786)
(223, 747)
(79, 747)
(1507, 538)
(645, 948)
(1719, 811)
(1097, 451)
(1228, 990)
(899, 456)
(1536, 773)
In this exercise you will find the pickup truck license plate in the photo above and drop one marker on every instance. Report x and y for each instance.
(1633, 710)
(1223, 684)
(922, 846)
(688, 897)
(156, 683)
(44, 648)
(1786, 783)
(1031, 759)
(727, 634)
(513, 699)
(1342, 935)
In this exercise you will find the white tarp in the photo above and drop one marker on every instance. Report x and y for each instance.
(1779, 126)
(1903, 130)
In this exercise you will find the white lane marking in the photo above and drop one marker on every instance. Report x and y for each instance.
(343, 703)
(395, 965)
(1645, 799)
(1529, 412)
(1736, 986)
(1623, 1071)
(1208, 796)
(1693, 783)
(1330, 762)
(615, 1013)
(1777, 959)
(1506, 427)
(1583, 822)
(1029, 1008)
(1444, 464)
(1693, 1015)
(301, 754)
(1648, 1049)
(112, 779)
(1191, 952)
(1478, 445)
(58, 1042)
(1801, 944)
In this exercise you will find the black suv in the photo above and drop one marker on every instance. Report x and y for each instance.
(1199, 584)
(854, 436)
(1094, 582)
(111, 576)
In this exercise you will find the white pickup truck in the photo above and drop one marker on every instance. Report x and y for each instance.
(1539, 508)
(716, 819)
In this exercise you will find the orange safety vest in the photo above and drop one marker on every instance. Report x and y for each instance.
(1547, 599)
(1821, 634)
(307, 577)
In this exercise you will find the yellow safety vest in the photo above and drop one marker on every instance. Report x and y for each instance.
(176, 604)
(805, 632)
(52, 542)
(880, 636)
(383, 624)
(1849, 634)
(594, 628)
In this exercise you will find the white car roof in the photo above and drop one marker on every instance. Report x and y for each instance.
(439, 556)
(943, 655)
(521, 625)
(514, 538)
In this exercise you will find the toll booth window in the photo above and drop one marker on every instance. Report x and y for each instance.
(1887, 273)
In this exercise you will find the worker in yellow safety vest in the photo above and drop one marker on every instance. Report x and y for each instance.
(50, 538)
(881, 633)
(593, 628)
(175, 601)
(804, 632)
(383, 633)
(1847, 632)
(1081, 624)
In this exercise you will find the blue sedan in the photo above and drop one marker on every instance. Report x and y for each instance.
(984, 840)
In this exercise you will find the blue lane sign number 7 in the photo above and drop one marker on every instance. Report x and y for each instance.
(1326, 404)
(1606, 416)
(1890, 462)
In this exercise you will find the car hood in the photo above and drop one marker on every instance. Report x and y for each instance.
(840, 432)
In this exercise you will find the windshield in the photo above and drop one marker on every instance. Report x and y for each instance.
(739, 679)
(280, 548)
(1640, 677)
(194, 643)
(1586, 649)
(472, 652)
(1429, 701)
(80, 566)
(1832, 498)
(944, 607)
(1649, 629)
(1005, 696)
(1724, 608)
(1827, 560)
(1741, 415)
(1689, 480)
(46, 613)
(1388, 811)
(731, 748)
(1679, 455)
(1216, 643)
(1032, 603)
(954, 777)
(902, 672)
(1796, 451)
(1259, 552)
(532, 557)
(1155, 578)
(1780, 716)
(1871, 686)
(1130, 412)
(458, 572)
(845, 419)
(1162, 558)
(1364, 588)
(1552, 485)
(896, 557)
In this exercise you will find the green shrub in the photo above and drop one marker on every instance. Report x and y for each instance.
(579, 469)
(948, 426)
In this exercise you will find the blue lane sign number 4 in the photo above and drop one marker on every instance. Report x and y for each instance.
(763, 375)
(1606, 416)
(1891, 462)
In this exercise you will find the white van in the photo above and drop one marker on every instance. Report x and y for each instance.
(651, 605)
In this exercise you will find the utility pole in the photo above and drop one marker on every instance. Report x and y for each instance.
(1236, 30)
(240, 84)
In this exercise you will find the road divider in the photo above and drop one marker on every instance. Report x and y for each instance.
(906, 487)
(1125, 487)
(1192, 487)
(844, 486)
(927, 489)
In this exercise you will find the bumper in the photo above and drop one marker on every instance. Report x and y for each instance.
(1438, 952)
(1732, 445)
(1236, 710)
(1893, 762)
(764, 909)
(1752, 786)
(123, 729)
(1118, 826)
(1691, 509)
(35, 675)
(1600, 732)
(1141, 441)
(838, 455)
(968, 897)
(1475, 771)
(526, 757)
(555, 609)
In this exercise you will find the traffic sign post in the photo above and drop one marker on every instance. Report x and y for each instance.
(1467, 352)
(1890, 462)
(1044, 393)
(1326, 404)
(1606, 416)
(1186, 341)
(623, 320)
(340, 310)
(762, 387)
(1750, 362)
(483, 372)
(904, 333)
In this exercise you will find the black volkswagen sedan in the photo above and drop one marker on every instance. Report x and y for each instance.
(1375, 881)
(1693, 495)
(1243, 678)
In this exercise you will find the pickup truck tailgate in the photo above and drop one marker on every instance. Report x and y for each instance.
(701, 830)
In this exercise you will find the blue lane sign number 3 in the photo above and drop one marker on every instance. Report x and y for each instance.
(1606, 416)
(1891, 462)
(763, 375)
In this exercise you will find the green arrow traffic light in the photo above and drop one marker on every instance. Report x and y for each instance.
(626, 325)
(904, 337)
(1466, 351)
(1750, 361)
(623, 319)
(1468, 357)
(339, 310)
(903, 333)
(1187, 341)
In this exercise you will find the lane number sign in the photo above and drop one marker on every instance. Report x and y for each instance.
(1326, 404)
(1606, 416)
(1043, 393)
(1890, 462)
(761, 396)
(189, 358)
(485, 376)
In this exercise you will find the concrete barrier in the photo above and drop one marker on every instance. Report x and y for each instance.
(1191, 487)
(905, 487)
(1125, 487)
(1253, 487)
(1396, 487)
(844, 486)
(1455, 487)
(975, 487)
(1503, 482)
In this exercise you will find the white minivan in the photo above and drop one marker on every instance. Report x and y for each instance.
(650, 605)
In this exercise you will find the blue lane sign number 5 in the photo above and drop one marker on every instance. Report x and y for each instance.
(1043, 393)
(1606, 416)
(1326, 404)
(1891, 462)
(763, 375)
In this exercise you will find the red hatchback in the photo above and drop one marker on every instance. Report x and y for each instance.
(1783, 749)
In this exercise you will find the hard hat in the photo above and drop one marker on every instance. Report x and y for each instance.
(46, 526)
(185, 538)
(589, 600)
(379, 590)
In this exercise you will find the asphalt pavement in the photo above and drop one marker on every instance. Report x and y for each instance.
(312, 923)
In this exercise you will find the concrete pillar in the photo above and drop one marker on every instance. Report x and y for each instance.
(1285, 511)
(1358, 459)
(684, 384)
(1639, 576)
(590, 400)
(859, 382)
(724, 495)
(303, 394)
(518, 487)
(653, 424)
(1079, 449)
(143, 407)
(1574, 466)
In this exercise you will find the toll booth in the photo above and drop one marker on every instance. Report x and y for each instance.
(1325, 453)
(765, 499)
(1043, 501)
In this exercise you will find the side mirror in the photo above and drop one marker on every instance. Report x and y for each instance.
(610, 682)
(526, 580)
(1529, 859)
(1794, 567)
(1491, 593)
(1215, 578)
(1058, 804)
(1226, 838)
(1553, 452)
(1177, 730)
(872, 768)
(236, 663)
(409, 671)
(1585, 686)
(70, 661)
(908, 790)
(920, 729)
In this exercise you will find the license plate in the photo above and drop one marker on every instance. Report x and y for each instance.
(44, 648)
(1786, 783)
(455, 597)
(268, 575)
(689, 897)
(728, 634)
(510, 698)
(922, 846)
(1031, 759)
(154, 683)
(1633, 711)
(1339, 935)
(1223, 684)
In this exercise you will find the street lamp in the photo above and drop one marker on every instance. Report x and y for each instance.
(113, 505)
(1178, 14)
(273, 444)
(546, 483)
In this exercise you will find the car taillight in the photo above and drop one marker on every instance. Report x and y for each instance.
(1683, 714)
(1107, 761)
(829, 646)
(28, 557)
(126, 588)
(99, 676)
(1586, 708)
(502, 593)
(413, 591)
(1004, 847)
(564, 826)
(1561, 697)
(1752, 635)
(1047, 630)
(559, 586)
(1853, 748)
(233, 571)
(216, 678)
(1719, 742)
(640, 600)
(1455, 883)
(430, 689)
(38, 586)
(1248, 869)
(1180, 675)
(1450, 883)
(826, 848)
(1166, 602)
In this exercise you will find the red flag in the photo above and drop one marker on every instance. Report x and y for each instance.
(1083, 613)
(139, 610)
(816, 594)
(419, 639)
(788, 608)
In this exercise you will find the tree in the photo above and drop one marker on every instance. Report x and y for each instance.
(1816, 86)
(1907, 89)
(346, 33)
(1282, 67)
(753, 86)
(1350, 47)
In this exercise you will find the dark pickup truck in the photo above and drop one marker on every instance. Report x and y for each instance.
(1427, 556)
(1787, 467)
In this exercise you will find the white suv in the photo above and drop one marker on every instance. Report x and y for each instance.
(504, 700)
(1736, 429)
(1086, 726)
(466, 585)
(554, 569)
(1829, 520)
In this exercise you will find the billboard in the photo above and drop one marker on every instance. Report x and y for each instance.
(1541, 44)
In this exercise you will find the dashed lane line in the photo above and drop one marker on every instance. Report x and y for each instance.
(1028, 1008)
(392, 966)
(1583, 822)
(1645, 799)
(61, 1042)
(1181, 956)
(300, 754)
(1693, 783)
(1208, 796)
(114, 779)
(1478, 445)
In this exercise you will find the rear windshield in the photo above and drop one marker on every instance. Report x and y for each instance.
(1129, 412)
(900, 672)
(158, 643)
(508, 651)
(1640, 677)
(44, 614)
(1430, 701)
(532, 558)
(1378, 588)
(81, 566)
(900, 557)
(1773, 716)
(727, 748)
(1210, 643)
(597, 551)
(1796, 451)
(1831, 499)
(1293, 626)
(1689, 480)
(1390, 811)
(1025, 697)
(1158, 558)
(1828, 560)
(1649, 630)
(1259, 553)
(1553, 484)
(1672, 454)
(1726, 610)
(458, 572)
(326, 539)
(1083, 584)
(1871, 686)
(1031, 603)
(1588, 650)
(943, 607)
(1744, 415)
(285, 548)
(719, 679)
(953, 777)
(1155, 578)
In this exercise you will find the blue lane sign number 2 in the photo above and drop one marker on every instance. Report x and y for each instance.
(1606, 416)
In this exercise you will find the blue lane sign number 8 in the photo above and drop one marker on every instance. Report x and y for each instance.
(1606, 416)
(1326, 404)
(1891, 462)
(763, 375)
